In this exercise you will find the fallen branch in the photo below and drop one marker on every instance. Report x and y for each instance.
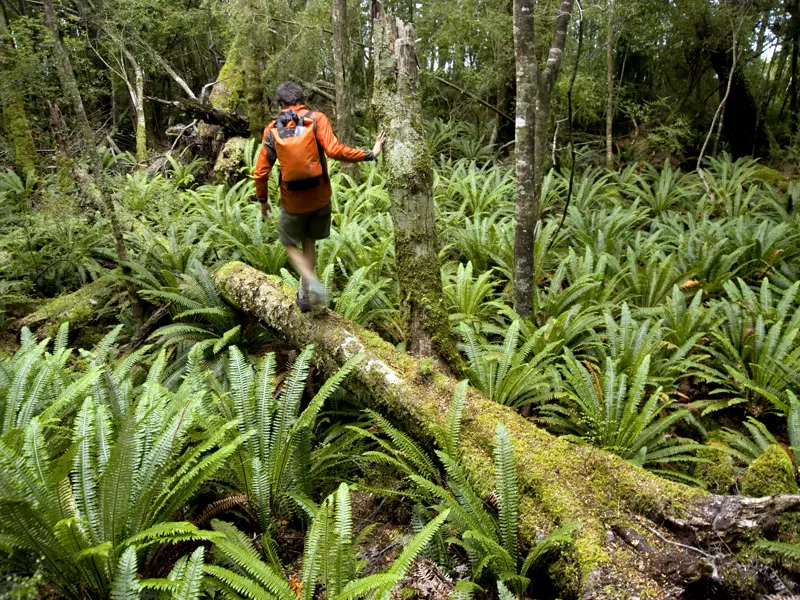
(560, 482)
(78, 308)
(473, 96)
(229, 121)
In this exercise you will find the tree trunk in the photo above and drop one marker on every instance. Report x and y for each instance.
(15, 118)
(560, 482)
(67, 77)
(534, 92)
(527, 202)
(70, 88)
(341, 65)
(794, 28)
(740, 109)
(398, 110)
(136, 91)
(610, 85)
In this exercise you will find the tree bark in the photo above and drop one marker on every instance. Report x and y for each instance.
(527, 202)
(15, 117)
(534, 92)
(69, 86)
(560, 482)
(610, 85)
(136, 91)
(345, 129)
(398, 109)
(67, 77)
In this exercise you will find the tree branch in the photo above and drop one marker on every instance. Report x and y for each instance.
(473, 96)
(556, 55)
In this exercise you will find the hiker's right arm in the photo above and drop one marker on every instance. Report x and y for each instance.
(266, 158)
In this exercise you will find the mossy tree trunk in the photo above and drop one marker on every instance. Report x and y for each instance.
(15, 118)
(96, 192)
(534, 92)
(345, 129)
(398, 110)
(136, 92)
(66, 77)
(560, 482)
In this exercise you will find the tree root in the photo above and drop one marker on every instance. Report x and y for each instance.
(560, 482)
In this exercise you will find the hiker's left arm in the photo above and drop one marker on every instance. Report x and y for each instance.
(334, 148)
(266, 159)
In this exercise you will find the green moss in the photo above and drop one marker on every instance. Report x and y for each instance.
(18, 128)
(231, 160)
(771, 473)
(227, 92)
(719, 473)
(78, 307)
(772, 177)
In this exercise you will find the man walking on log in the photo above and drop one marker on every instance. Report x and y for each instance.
(301, 140)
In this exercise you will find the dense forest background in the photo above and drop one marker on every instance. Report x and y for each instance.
(562, 352)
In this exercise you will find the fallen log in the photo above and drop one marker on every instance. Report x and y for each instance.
(78, 308)
(560, 482)
(229, 121)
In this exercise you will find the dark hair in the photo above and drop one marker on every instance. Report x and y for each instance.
(289, 94)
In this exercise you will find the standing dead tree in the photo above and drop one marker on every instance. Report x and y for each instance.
(398, 109)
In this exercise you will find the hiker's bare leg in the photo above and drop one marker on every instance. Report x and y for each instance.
(310, 252)
(300, 262)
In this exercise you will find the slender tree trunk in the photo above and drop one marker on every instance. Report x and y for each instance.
(136, 90)
(70, 88)
(794, 27)
(527, 203)
(534, 92)
(610, 85)
(67, 77)
(15, 116)
(398, 109)
(341, 64)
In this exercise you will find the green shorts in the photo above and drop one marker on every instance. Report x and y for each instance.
(293, 229)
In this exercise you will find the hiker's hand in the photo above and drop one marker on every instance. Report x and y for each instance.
(376, 149)
(265, 210)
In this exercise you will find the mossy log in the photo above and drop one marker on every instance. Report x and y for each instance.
(560, 481)
(78, 308)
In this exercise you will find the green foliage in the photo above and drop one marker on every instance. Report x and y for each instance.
(612, 410)
(491, 542)
(277, 463)
(88, 500)
(511, 373)
(328, 559)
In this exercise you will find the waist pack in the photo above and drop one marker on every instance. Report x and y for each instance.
(296, 146)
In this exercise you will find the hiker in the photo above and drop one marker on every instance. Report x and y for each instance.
(301, 140)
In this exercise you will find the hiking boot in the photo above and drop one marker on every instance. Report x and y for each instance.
(303, 303)
(317, 296)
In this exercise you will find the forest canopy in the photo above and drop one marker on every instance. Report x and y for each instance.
(554, 348)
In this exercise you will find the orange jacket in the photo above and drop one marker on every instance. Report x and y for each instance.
(304, 201)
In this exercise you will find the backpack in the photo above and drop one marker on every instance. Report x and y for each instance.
(295, 141)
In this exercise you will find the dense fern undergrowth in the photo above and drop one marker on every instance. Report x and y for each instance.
(211, 461)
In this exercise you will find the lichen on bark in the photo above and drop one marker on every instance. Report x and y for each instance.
(560, 482)
(398, 109)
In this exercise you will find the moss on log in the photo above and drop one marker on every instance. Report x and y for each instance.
(560, 482)
(78, 308)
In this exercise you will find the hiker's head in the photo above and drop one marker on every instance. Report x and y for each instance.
(289, 94)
